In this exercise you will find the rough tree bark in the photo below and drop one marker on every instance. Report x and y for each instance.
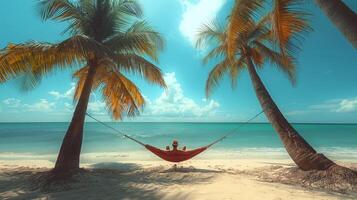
(299, 150)
(342, 17)
(69, 155)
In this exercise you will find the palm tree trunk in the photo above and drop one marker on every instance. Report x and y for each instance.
(342, 16)
(299, 150)
(68, 157)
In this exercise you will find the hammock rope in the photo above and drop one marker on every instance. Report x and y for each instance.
(115, 130)
(235, 129)
(176, 155)
(207, 146)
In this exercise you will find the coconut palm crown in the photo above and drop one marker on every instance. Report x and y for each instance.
(107, 33)
(248, 41)
(107, 39)
(271, 37)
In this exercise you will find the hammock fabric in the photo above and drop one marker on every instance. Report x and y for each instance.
(175, 155)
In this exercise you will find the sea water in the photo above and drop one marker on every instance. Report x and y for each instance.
(43, 140)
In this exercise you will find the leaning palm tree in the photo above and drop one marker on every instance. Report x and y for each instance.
(247, 43)
(343, 17)
(107, 39)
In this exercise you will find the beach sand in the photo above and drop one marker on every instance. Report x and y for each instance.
(196, 179)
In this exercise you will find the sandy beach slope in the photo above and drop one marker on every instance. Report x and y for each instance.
(196, 179)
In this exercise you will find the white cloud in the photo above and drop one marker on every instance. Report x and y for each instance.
(333, 106)
(96, 107)
(16, 105)
(56, 94)
(42, 106)
(337, 105)
(66, 95)
(173, 103)
(196, 14)
(68, 107)
(12, 102)
(347, 105)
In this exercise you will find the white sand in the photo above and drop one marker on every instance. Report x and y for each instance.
(196, 179)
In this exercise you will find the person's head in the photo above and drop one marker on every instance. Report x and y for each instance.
(175, 144)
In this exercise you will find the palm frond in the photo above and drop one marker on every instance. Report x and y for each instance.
(217, 52)
(285, 62)
(289, 24)
(216, 75)
(210, 33)
(42, 58)
(64, 10)
(133, 63)
(59, 10)
(240, 19)
(140, 38)
(28, 81)
(258, 31)
(129, 7)
(122, 15)
(121, 96)
(81, 75)
(257, 57)
(235, 70)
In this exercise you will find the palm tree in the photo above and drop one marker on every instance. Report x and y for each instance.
(247, 43)
(108, 39)
(342, 17)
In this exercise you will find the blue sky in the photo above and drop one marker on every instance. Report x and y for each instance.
(325, 91)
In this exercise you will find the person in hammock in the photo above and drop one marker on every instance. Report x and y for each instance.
(174, 146)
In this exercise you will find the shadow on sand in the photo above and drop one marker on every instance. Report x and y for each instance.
(103, 181)
(123, 167)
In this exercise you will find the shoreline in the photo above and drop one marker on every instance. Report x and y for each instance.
(338, 154)
(194, 179)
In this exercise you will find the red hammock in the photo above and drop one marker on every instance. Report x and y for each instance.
(175, 155)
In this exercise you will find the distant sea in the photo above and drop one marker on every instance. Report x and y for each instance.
(43, 140)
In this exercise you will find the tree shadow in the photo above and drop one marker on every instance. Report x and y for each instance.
(102, 181)
(123, 167)
(189, 169)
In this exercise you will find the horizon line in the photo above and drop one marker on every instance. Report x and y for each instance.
(182, 122)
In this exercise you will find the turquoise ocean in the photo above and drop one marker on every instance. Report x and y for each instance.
(43, 140)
